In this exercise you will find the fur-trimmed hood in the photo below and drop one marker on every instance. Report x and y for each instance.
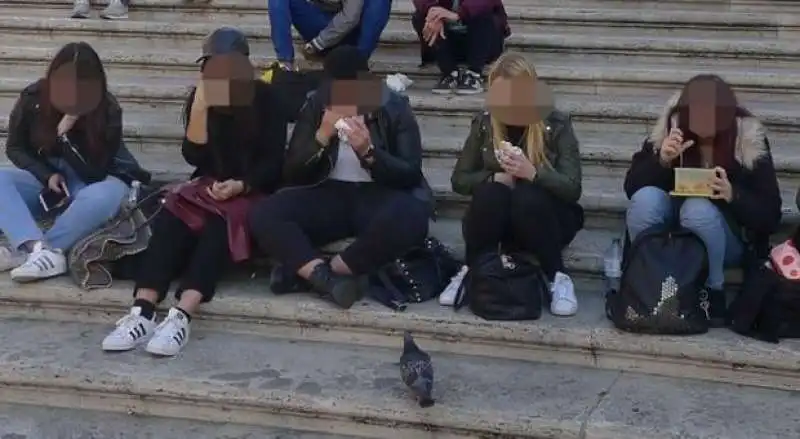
(750, 144)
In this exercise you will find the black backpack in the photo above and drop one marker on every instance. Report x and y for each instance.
(503, 287)
(767, 307)
(663, 275)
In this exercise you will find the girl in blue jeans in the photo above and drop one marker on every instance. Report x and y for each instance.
(65, 131)
(705, 125)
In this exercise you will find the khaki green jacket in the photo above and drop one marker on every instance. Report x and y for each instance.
(477, 161)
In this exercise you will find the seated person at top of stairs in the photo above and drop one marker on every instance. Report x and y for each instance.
(236, 141)
(64, 134)
(364, 180)
(116, 9)
(703, 126)
(325, 24)
(461, 31)
(527, 198)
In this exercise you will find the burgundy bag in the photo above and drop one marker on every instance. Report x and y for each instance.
(191, 203)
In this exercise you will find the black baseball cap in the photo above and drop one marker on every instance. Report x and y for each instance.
(223, 41)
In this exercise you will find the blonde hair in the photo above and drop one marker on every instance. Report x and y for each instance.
(514, 65)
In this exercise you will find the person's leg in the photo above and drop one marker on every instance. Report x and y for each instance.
(207, 263)
(19, 191)
(374, 17)
(389, 223)
(538, 225)
(649, 206)
(170, 245)
(426, 53)
(487, 220)
(481, 36)
(446, 51)
(705, 220)
(307, 18)
(290, 226)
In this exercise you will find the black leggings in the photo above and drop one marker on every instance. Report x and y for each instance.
(175, 251)
(291, 224)
(480, 44)
(526, 218)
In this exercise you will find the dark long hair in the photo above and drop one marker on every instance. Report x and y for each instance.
(91, 126)
(726, 112)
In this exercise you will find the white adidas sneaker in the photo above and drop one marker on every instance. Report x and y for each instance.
(41, 263)
(171, 335)
(131, 331)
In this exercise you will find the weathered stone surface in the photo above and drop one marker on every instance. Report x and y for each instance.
(357, 391)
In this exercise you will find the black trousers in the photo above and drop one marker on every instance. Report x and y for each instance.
(481, 44)
(199, 260)
(526, 218)
(292, 224)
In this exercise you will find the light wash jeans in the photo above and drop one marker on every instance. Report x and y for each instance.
(92, 205)
(651, 206)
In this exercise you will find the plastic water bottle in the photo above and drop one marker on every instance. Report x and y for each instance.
(133, 194)
(613, 265)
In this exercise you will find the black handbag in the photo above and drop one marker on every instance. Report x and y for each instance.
(503, 287)
(418, 276)
(662, 287)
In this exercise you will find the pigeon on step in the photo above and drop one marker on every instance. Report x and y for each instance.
(416, 370)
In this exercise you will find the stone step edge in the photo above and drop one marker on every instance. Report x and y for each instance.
(773, 81)
(701, 357)
(54, 387)
(721, 47)
(659, 18)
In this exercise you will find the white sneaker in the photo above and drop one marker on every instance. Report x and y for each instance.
(563, 303)
(131, 331)
(171, 335)
(448, 296)
(41, 263)
(10, 259)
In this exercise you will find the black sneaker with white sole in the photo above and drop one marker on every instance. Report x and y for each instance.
(469, 83)
(447, 83)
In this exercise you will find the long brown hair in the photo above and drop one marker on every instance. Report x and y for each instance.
(91, 126)
(726, 112)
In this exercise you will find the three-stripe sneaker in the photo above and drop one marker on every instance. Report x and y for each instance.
(171, 335)
(131, 331)
(41, 263)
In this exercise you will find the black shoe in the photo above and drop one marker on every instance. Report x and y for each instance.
(717, 307)
(342, 290)
(447, 83)
(469, 83)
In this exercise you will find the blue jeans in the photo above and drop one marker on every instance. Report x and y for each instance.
(652, 206)
(310, 20)
(92, 205)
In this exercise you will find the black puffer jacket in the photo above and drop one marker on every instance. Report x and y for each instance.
(23, 152)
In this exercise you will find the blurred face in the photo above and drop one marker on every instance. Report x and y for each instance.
(72, 95)
(354, 97)
(708, 113)
(518, 101)
(227, 81)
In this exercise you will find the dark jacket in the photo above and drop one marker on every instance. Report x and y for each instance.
(478, 162)
(257, 162)
(395, 136)
(22, 151)
(755, 212)
(469, 8)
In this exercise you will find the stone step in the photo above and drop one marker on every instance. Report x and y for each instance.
(20, 421)
(185, 36)
(523, 19)
(487, 373)
(179, 67)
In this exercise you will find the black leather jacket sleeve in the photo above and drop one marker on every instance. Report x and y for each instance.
(403, 169)
(19, 149)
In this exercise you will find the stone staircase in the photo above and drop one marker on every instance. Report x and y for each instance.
(254, 362)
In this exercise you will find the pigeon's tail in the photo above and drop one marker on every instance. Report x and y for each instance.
(426, 402)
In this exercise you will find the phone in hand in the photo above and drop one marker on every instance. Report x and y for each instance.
(52, 200)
